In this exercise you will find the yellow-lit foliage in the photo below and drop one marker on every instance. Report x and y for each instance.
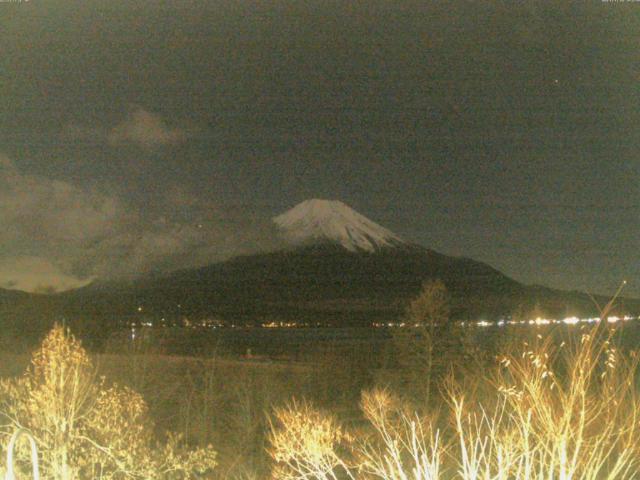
(546, 412)
(402, 445)
(85, 428)
(560, 412)
(307, 443)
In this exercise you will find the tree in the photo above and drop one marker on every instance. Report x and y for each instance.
(430, 308)
(425, 336)
(86, 428)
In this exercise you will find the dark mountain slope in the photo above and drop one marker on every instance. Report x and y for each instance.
(328, 284)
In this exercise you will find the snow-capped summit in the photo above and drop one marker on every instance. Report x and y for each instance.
(322, 221)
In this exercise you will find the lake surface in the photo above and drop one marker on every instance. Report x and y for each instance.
(299, 343)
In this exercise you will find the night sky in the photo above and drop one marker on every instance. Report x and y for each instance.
(147, 135)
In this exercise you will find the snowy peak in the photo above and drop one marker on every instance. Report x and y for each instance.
(321, 221)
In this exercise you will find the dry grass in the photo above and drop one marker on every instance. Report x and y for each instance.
(545, 412)
(565, 412)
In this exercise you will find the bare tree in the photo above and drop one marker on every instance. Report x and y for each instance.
(430, 308)
(426, 325)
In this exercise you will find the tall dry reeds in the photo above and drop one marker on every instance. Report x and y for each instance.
(547, 411)
(553, 412)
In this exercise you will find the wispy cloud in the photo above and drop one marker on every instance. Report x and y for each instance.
(145, 129)
(46, 209)
(56, 235)
(140, 127)
(36, 274)
(44, 223)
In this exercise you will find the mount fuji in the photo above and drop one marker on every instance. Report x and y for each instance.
(327, 221)
(334, 267)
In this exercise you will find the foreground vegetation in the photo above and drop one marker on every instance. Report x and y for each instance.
(547, 412)
(438, 403)
(85, 427)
